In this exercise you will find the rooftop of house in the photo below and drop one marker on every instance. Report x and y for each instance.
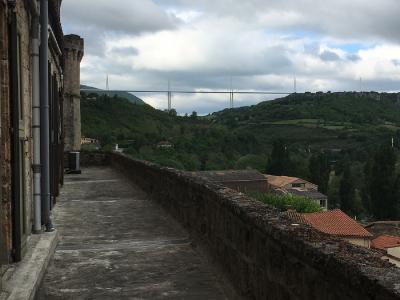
(164, 143)
(231, 175)
(394, 223)
(386, 241)
(332, 222)
(281, 181)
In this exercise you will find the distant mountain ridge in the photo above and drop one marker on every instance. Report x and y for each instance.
(130, 97)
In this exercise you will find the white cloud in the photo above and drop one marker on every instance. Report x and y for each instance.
(261, 44)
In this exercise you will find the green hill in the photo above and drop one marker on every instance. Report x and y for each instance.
(132, 98)
(323, 121)
(337, 108)
(115, 121)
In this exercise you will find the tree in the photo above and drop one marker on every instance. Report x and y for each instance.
(366, 189)
(279, 161)
(284, 202)
(300, 163)
(347, 192)
(172, 112)
(320, 171)
(384, 185)
(193, 115)
(333, 191)
(251, 161)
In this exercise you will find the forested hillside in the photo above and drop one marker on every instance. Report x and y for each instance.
(197, 142)
(347, 108)
(334, 140)
(322, 121)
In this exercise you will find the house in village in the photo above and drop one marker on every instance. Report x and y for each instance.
(118, 149)
(89, 141)
(286, 183)
(34, 118)
(165, 145)
(244, 181)
(389, 245)
(384, 228)
(297, 186)
(318, 197)
(335, 223)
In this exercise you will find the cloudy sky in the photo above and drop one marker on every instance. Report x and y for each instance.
(258, 44)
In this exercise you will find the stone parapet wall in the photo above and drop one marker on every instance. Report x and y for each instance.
(260, 251)
(92, 158)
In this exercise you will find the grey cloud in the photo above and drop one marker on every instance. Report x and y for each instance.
(131, 17)
(329, 56)
(125, 51)
(380, 85)
(312, 48)
(396, 62)
(275, 60)
(99, 20)
(356, 19)
(353, 57)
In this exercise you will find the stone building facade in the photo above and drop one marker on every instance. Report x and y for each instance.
(18, 18)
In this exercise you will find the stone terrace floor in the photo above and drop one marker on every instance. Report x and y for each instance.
(115, 243)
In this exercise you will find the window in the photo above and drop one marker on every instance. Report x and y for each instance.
(322, 203)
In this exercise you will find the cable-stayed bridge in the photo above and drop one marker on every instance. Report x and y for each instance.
(169, 93)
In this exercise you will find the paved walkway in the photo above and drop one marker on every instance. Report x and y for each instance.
(117, 244)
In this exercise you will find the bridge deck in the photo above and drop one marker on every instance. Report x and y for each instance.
(117, 244)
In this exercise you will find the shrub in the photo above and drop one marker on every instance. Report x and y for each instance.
(284, 202)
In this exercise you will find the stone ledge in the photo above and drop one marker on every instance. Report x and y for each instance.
(22, 280)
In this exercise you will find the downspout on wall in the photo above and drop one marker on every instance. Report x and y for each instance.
(44, 114)
(15, 163)
(37, 202)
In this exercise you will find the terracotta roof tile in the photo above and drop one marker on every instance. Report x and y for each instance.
(280, 181)
(335, 222)
(386, 241)
(295, 216)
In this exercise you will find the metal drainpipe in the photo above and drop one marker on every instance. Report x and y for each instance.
(37, 224)
(44, 113)
(16, 183)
